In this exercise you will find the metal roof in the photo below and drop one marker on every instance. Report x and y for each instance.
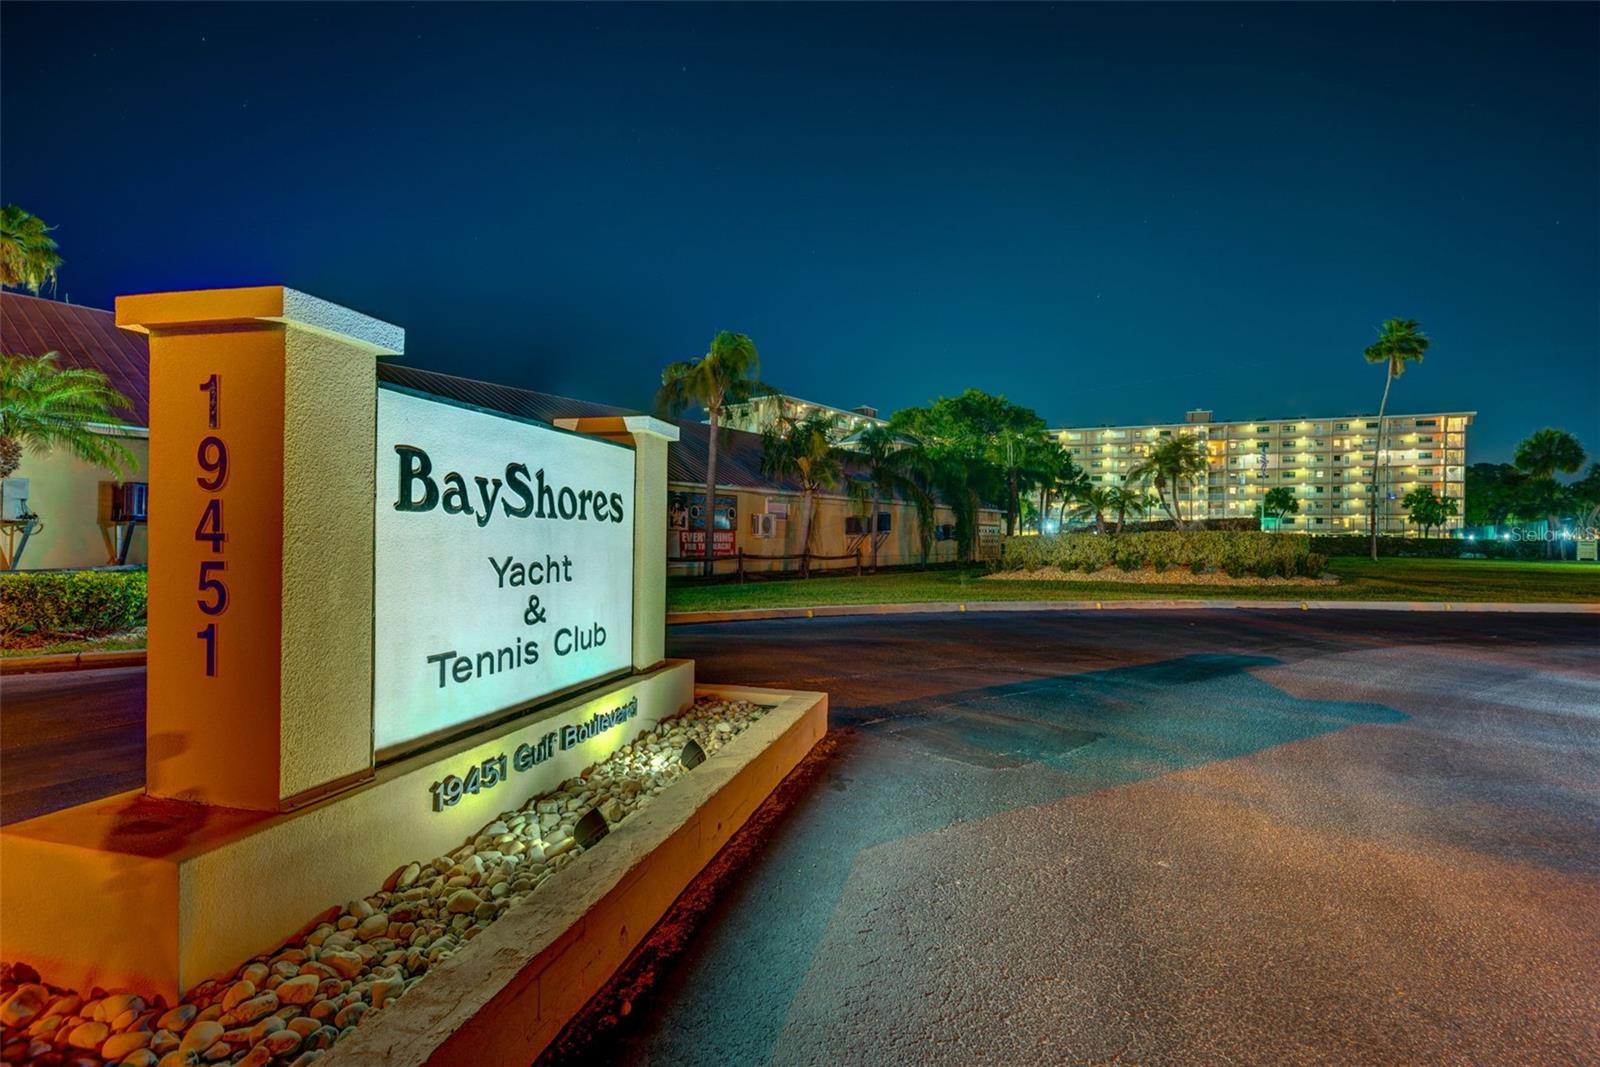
(86, 338)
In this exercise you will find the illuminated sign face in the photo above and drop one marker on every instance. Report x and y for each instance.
(504, 565)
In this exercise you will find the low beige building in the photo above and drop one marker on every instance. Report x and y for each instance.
(86, 516)
(762, 517)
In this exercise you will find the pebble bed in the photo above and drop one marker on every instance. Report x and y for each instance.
(289, 1006)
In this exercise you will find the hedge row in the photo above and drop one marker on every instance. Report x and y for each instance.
(1235, 553)
(70, 603)
(1430, 547)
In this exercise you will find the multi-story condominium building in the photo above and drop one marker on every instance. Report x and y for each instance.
(1326, 461)
(759, 412)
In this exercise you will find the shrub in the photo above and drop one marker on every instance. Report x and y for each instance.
(1430, 547)
(1237, 553)
(52, 604)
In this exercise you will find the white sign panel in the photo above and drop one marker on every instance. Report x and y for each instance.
(504, 564)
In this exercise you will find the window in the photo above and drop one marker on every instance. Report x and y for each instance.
(1372, 426)
(1342, 426)
(1291, 428)
(1424, 455)
(1288, 474)
(1427, 422)
(1263, 429)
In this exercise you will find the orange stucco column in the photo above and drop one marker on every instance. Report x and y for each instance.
(262, 476)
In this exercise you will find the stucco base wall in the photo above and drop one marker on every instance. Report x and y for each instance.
(508, 992)
(156, 895)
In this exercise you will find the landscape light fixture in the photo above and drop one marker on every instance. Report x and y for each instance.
(693, 755)
(590, 829)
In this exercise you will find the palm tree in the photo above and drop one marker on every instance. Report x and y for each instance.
(1093, 503)
(804, 448)
(889, 465)
(1174, 463)
(44, 406)
(28, 258)
(1540, 456)
(1280, 501)
(1400, 342)
(724, 375)
(1125, 501)
(1055, 471)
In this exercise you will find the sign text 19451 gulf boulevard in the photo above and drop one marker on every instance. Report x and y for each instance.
(504, 564)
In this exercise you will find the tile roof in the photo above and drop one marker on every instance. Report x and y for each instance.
(86, 337)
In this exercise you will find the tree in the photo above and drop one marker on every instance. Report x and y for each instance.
(1280, 501)
(1172, 464)
(804, 449)
(44, 405)
(724, 375)
(1400, 342)
(1125, 502)
(1092, 504)
(955, 435)
(1494, 493)
(888, 465)
(1428, 510)
(1586, 490)
(28, 257)
(1055, 472)
(1540, 456)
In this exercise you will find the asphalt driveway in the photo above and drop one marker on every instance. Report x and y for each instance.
(1210, 837)
(1145, 837)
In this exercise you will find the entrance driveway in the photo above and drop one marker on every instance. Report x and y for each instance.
(1207, 837)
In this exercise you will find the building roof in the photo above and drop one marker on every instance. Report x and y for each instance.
(86, 338)
(738, 459)
(524, 403)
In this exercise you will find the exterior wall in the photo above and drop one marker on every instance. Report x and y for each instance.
(1327, 462)
(901, 545)
(763, 411)
(73, 501)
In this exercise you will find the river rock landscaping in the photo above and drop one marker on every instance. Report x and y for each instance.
(289, 1006)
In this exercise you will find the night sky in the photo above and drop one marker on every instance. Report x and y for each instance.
(1109, 213)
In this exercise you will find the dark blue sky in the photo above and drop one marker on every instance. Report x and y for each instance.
(1110, 213)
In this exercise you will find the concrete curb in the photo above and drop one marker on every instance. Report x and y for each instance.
(683, 618)
(72, 661)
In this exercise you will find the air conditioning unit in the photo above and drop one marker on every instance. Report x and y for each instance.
(14, 499)
(763, 526)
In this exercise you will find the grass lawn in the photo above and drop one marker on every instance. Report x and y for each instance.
(113, 643)
(1359, 579)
